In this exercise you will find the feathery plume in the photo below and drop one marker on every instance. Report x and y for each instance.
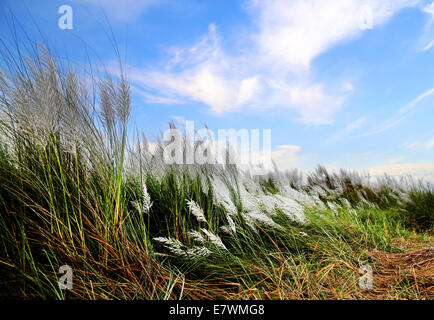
(214, 239)
(196, 211)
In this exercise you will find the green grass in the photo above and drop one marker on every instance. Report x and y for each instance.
(420, 209)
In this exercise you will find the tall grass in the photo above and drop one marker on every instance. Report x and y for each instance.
(74, 191)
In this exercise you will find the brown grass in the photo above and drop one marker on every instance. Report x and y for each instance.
(407, 275)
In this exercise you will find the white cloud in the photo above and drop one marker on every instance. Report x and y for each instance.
(296, 32)
(429, 8)
(125, 10)
(288, 157)
(248, 88)
(272, 70)
(201, 84)
(205, 76)
(204, 73)
(417, 170)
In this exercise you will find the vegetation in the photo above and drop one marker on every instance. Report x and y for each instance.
(73, 191)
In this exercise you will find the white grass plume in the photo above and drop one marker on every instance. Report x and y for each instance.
(216, 240)
(196, 211)
(178, 249)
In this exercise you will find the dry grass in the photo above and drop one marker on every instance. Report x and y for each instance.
(407, 275)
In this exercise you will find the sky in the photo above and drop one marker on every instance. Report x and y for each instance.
(342, 83)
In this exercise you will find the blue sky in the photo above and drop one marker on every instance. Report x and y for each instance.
(333, 88)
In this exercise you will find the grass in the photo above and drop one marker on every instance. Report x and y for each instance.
(74, 192)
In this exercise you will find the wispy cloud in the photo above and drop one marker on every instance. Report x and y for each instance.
(428, 46)
(426, 40)
(345, 132)
(427, 145)
(399, 116)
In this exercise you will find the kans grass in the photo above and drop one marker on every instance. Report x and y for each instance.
(74, 190)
